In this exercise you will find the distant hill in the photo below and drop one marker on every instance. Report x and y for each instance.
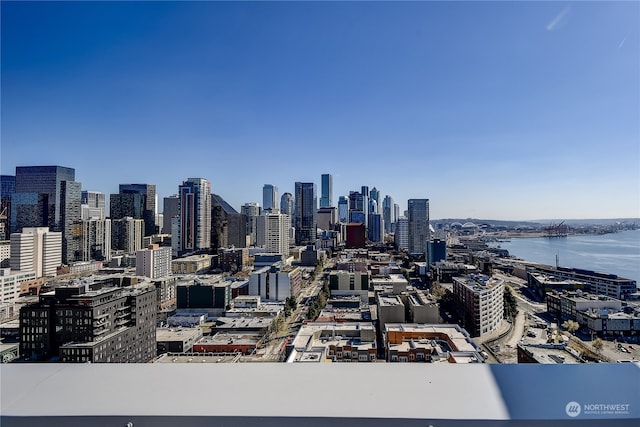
(538, 222)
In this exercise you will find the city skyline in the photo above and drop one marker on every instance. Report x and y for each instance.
(514, 111)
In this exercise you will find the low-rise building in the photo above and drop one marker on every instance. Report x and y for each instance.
(334, 342)
(229, 342)
(344, 283)
(390, 309)
(193, 264)
(16, 283)
(566, 305)
(176, 340)
(413, 342)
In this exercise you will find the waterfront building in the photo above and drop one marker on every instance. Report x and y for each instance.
(419, 234)
(305, 215)
(286, 204)
(326, 198)
(270, 198)
(36, 249)
(597, 283)
(482, 299)
(72, 324)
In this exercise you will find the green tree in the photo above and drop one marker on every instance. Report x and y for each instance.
(510, 303)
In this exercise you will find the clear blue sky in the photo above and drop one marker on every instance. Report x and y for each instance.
(503, 110)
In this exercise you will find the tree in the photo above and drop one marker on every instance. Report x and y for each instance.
(510, 303)
(597, 345)
(571, 326)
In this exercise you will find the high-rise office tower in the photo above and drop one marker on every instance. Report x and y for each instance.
(396, 216)
(93, 205)
(36, 249)
(8, 187)
(419, 234)
(305, 221)
(357, 208)
(387, 213)
(270, 198)
(375, 230)
(273, 233)
(136, 201)
(326, 197)
(96, 239)
(71, 213)
(375, 195)
(169, 211)
(194, 216)
(228, 227)
(46, 182)
(252, 211)
(286, 204)
(343, 209)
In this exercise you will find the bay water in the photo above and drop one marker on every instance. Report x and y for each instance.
(613, 253)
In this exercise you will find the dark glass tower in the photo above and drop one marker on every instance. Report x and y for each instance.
(305, 215)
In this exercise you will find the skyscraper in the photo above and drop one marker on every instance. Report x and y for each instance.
(402, 233)
(93, 205)
(252, 211)
(270, 198)
(286, 204)
(71, 215)
(419, 235)
(387, 213)
(127, 234)
(96, 239)
(137, 201)
(194, 216)
(45, 180)
(343, 209)
(8, 185)
(375, 195)
(357, 208)
(326, 198)
(305, 221)
(169, 211)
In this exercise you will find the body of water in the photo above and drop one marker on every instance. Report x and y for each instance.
(615, 253)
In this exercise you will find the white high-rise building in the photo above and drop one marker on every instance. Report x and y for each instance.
(36, 249)
(402, 233)
(153, 262)
(273, 233)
